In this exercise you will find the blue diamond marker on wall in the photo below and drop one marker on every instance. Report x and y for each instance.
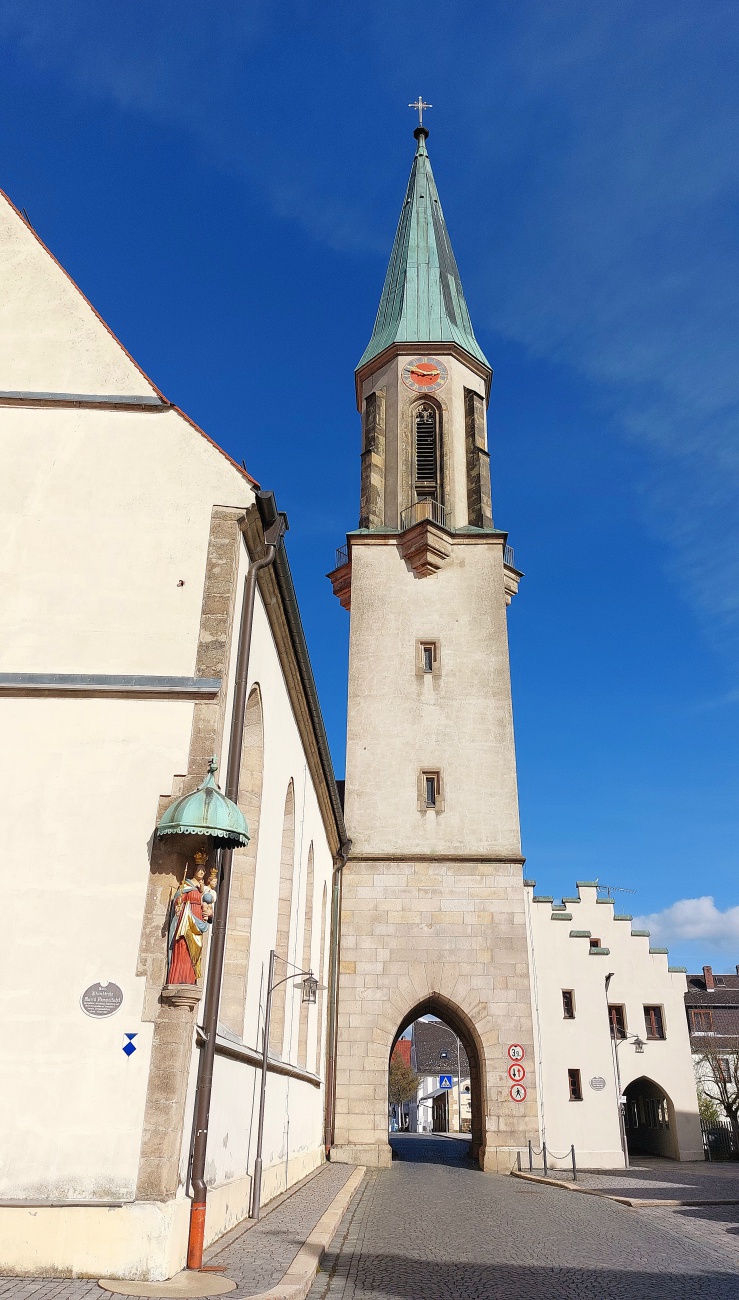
(129, 1046)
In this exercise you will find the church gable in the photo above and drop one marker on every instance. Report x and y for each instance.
(52, 340)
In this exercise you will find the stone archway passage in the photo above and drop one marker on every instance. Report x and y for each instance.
(650, 1120)
(458, 1022)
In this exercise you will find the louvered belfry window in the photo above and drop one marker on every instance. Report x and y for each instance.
(427, 459)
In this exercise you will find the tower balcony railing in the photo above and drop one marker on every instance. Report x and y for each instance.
(508, 557)
(426, 508)
(342, 556)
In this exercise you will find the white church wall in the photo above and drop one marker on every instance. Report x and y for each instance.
(51, 340)
(85, 776)
(104, 514)
(562, 960)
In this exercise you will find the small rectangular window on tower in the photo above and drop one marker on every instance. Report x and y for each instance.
(568, 1004)
(575, 1085)
(430, 792)
(428, 659)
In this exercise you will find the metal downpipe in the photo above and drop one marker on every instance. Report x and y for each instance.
(277, 524)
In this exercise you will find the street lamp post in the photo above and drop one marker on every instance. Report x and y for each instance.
(615, 1044)
(309, 985)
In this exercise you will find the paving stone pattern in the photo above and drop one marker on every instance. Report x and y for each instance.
(434, 1228)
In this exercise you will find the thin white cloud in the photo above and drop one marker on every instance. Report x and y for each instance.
(693, 919)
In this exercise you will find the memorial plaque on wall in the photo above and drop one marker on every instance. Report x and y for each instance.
(597, 1083)
(100, 1000)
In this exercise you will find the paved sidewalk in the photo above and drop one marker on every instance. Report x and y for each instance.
(258, 1257)
(255, 1256)
(668, 1180)
(444, 1231)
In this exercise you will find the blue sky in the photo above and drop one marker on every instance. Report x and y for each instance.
(223, 180)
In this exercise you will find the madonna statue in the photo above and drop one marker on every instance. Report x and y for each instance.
(187, 926)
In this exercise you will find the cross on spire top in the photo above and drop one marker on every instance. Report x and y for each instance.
(419, 105)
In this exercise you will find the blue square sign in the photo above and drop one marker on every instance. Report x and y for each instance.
(446, 1081)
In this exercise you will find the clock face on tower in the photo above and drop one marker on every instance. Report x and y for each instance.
(425, 375)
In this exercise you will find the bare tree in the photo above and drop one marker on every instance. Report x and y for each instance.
(717, 1070)
(403, 1082)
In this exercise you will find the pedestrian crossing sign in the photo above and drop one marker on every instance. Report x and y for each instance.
(446, 1081)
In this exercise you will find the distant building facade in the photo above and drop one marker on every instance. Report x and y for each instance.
(712, 1008)
(437, 1054)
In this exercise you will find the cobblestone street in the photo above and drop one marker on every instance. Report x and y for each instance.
(434, 1228)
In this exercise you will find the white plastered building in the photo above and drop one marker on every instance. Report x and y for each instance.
(582, 1068)
(125, 538)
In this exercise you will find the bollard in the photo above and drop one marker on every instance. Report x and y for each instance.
(531, 1158)
(518, 1161)
(574, 1166)
(544, 1153)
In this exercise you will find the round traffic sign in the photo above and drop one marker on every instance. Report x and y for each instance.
(516, 1052)
(516, 1073)
(518, 1092)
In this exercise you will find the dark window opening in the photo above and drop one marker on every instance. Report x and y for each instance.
(568, 1004)
(573, 1077)
(430, 791)
(427, 652)
(617, 1017)
(725, 1068)
(702, 1021)
(595, 943)
(653, 1022)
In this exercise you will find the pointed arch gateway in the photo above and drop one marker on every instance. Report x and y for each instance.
(458, 1021)
(650, 1121)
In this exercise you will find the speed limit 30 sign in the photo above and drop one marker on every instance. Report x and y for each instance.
(516, 1052)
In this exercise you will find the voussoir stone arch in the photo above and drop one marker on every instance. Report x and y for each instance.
(241, 902)
(284, 911)
(435, 1004)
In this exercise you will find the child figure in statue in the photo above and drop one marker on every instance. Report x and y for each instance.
(210, 894)
(187, 926)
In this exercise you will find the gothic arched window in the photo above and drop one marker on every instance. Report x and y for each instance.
(427, 453)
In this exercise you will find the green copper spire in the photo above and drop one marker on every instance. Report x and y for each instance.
(423, 299)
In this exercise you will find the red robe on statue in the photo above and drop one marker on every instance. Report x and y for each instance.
(187, 928)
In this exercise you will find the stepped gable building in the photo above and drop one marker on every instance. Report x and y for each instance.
(127, 536)
(611, 1024)
(433, 911)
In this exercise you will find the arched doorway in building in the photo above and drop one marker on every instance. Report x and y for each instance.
(650, 1120)
(437, 1059)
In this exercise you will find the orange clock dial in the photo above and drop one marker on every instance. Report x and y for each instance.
(425, 374)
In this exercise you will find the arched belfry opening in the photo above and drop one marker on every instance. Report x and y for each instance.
(427, 458)
(446, 1055)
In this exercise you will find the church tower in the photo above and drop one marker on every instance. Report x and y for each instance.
(432, 911)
